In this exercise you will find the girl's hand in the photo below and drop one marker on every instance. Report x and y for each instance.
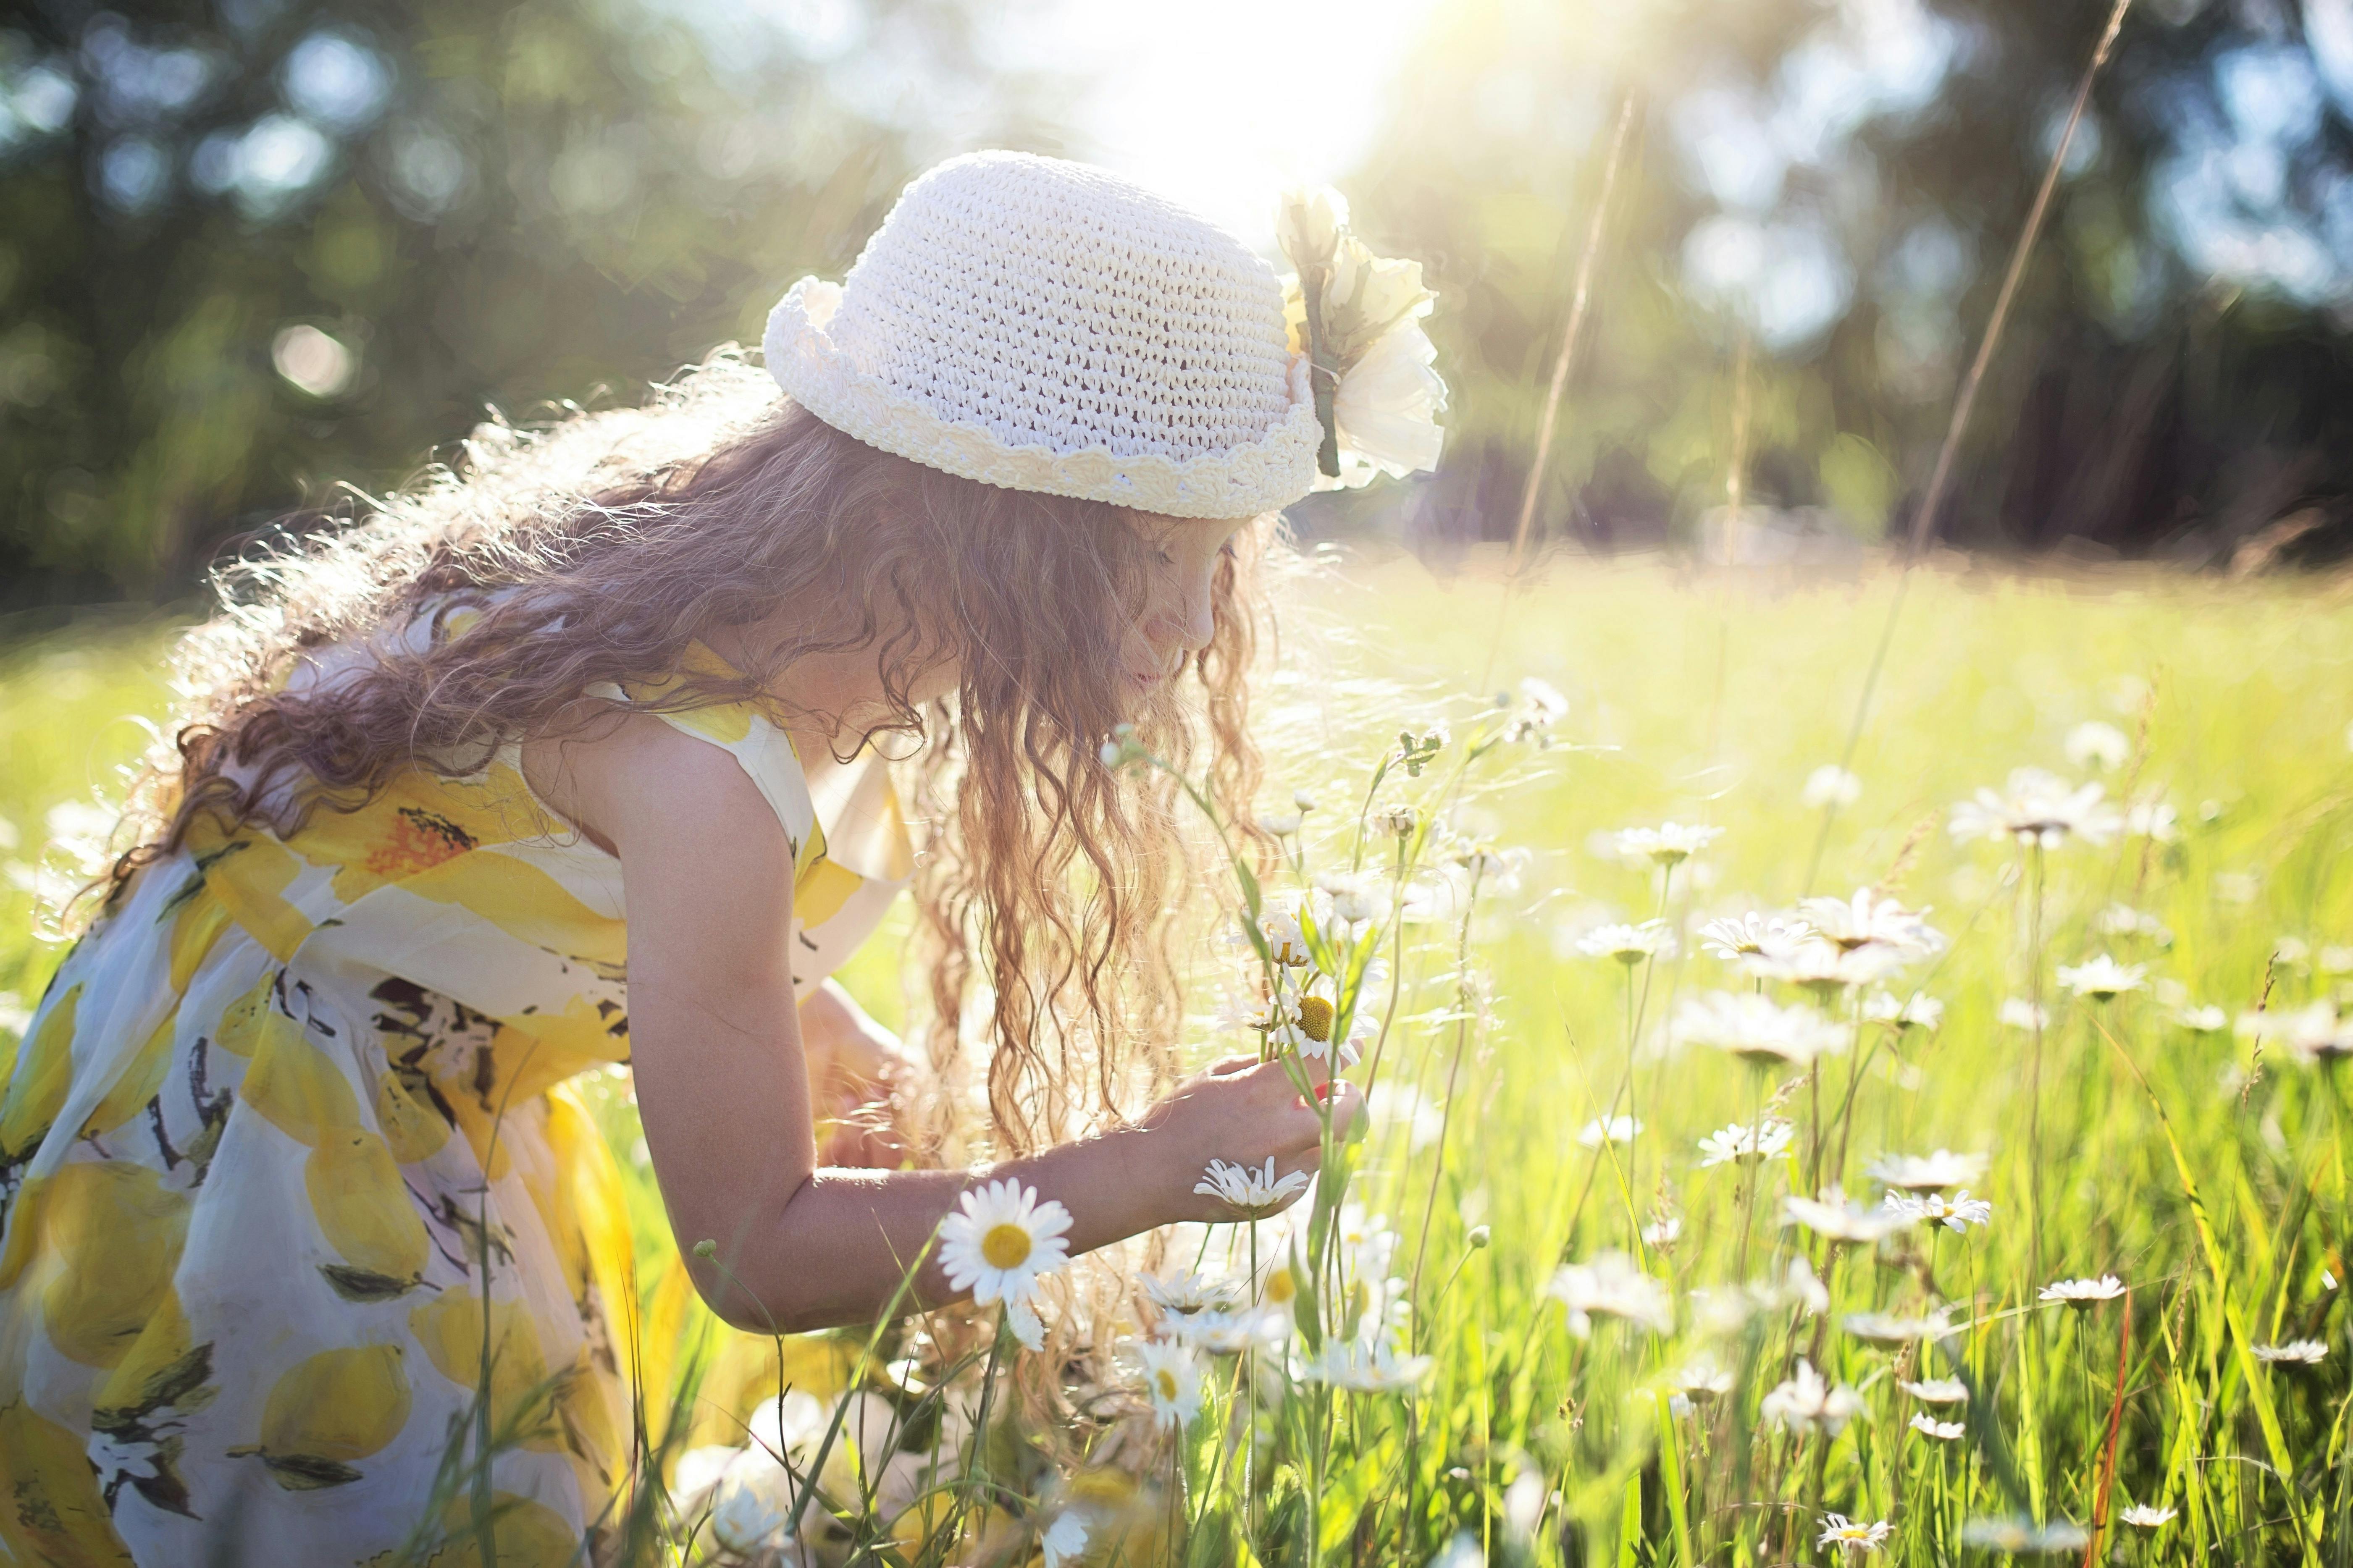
(1244, 1112)
(855, 1067)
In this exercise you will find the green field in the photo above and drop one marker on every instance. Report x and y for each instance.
(2206, 1173)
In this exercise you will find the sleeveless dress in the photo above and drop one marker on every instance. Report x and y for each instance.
(291, 1186)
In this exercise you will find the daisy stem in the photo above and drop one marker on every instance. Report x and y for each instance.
(1753, 1176)
(2034, 1069)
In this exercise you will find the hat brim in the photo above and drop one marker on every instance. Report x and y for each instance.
(1242, 481)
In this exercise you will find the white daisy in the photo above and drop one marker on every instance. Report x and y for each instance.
(1768, 1140)
(1062, 1541)
(2205, 1020)
(1957, 1213)
(2034, 807)
(2313, 1032)
(1191, 1292)
(1869, 918)
(1612, 1285)
(1830, 785)
(1701, 1378)
(1399, 821)
(1172, 1380)
(2141, 1516)
(1628, 945)
(1735, 937)
(1832, 1216)
(2083, 1293)
(1000, 1240)
(1886, 1328)
(2018, 1013)
(2024, 1538)
(1827, 969)
(1356, 898)
(1853, 1535)
(1921, 1173)
(2153, 819)
(1917, 1011)
(1230, 1333)
(1284, 941)
(1936, 1390)
(2096, 744)
(1366, 1368)
(1248, 1192)
(2295, 1352)
(1756, 1029)
(1802, 1403)
(1669, 844)
(1617, 1130)
(2102, 979)
(1943, 1431)
(2123, 920)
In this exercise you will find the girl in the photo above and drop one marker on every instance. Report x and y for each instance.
(580, 759)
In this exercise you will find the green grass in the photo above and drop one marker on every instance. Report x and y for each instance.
(2207, 1175)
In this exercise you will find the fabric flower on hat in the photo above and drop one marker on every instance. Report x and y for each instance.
(1356, 325)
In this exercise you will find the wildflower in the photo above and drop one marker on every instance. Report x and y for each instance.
(1924, 1173)
(2018, 1013)
(2336, 959)
(1281, 824)
(2034, 807)
(2123, 920)
(2140, 1516)
(2311, 1033)
(1498, 871)
(1617, 1130)
(1805, 1402)
(2295, 1352)
(2023, 1537)
(1667, 845)
(1917, 1011)
(1804, 1291)
(1356, 899)
(1230, 1333)
(1248, 1192)
(1366, 1368)
(1663, 1232)
(1190, 1292)
(1830, 785)
(1943, 1431)
(1540, 707)
(1628, 945)
(2154, 820)
(1936, 1390)
(1000, 1240)
(1285, 942)
(1853, 1535)
(1398, 821)
(2095, 745)
(1612, 1286)
(1757, 1030)
(743, 1517)
(2083, 1293)
(1768, 1140)
(1064, 1540)
(2206, 1020)
(1172, 1380)
(1886, 1328)
(1825, 968)
(1701, 1378)
(1957, 1213)
(1832, 1216)
(1416, 751)
(2102, 979)
(1868, 918)
(1745, 936)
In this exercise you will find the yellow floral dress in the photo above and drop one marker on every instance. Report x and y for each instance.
(290, 1173)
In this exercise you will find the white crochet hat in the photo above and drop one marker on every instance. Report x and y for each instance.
(1043, 325)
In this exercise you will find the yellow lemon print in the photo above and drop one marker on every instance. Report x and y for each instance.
(241, 1022)
(197, 926)
(164, 1368)
(115, 1231)
(328, 1410)
(141, 1076)
(295, 1084)
(39, 1081)
(412, 1127)
(364, 1207)
(451, 1329)
(53, 1510)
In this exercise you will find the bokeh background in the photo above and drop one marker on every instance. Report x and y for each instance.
(253, 251)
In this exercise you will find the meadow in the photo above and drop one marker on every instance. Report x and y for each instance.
(1512, 1327)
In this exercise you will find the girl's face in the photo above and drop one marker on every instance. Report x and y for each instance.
(1174, 622)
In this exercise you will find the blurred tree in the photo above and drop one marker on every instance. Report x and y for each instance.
(1842, 182)
(250, 246)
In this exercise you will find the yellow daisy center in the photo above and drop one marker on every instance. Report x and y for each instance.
(1166, 1383)
(1281, 1286)
(1006, 1246)
(1315, 1018)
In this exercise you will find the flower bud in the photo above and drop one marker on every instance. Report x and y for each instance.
(706, 1249)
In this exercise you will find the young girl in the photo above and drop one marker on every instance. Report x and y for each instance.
(579, 759)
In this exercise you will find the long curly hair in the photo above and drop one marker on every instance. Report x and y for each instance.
(1048, 887)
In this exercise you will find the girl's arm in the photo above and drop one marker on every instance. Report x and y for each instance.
(723, 1090)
